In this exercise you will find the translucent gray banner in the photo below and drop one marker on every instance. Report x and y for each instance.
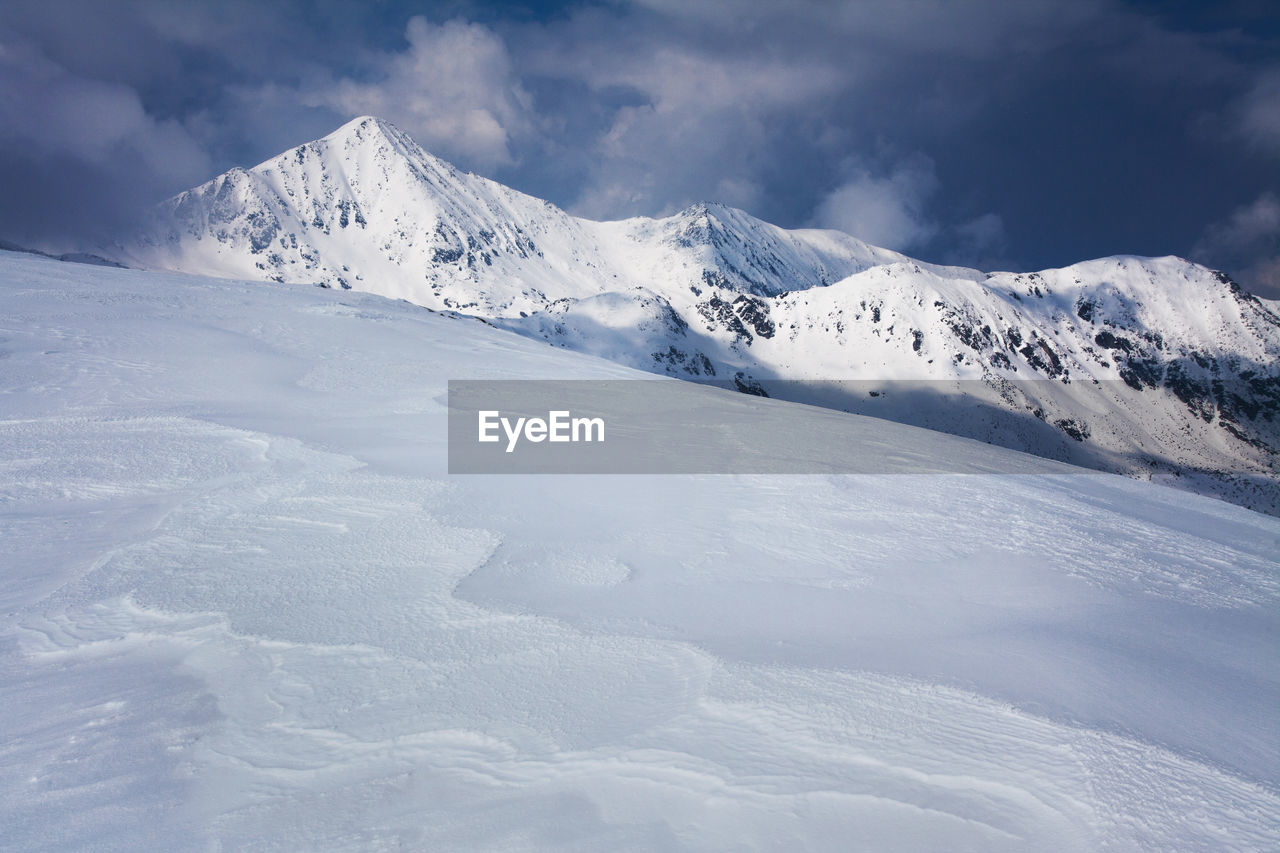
(673, 427)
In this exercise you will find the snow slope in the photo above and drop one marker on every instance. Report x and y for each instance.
(1153, 367)
(245, 606)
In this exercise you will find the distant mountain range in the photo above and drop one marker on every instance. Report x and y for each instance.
(69, 257)
(1154, 367)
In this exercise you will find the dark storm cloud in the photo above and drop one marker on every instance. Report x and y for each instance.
(993, 133)
(1248, 243)
(77, 150)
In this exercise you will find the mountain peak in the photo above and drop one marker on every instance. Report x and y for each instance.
(370, 132)
(701, 208)
(366, 126)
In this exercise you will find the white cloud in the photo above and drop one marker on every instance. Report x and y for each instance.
(707, 128)
(888, 210)
(453, 89)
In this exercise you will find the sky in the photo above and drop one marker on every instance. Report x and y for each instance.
(987, 133)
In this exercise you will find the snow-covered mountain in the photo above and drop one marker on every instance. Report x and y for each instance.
(244, 605)
(1148, 366)
(366, 208)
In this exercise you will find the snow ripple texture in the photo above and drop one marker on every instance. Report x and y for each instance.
(244, 607)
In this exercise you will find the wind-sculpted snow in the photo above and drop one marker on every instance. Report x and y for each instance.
(1156, 368)
(245, 607)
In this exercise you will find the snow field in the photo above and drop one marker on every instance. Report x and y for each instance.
(245, 606)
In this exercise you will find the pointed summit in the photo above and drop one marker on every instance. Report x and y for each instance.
(366, 208)
(368, 134)
(361, 124)
(365, 130)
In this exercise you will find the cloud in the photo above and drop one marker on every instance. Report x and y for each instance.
(892, 210)
(980, 243)
(65, 136)
(690, 123)
(453, 89)
(45, 107)
(777, 97)
(976, 29)
(1257, 114)
(1032, 112)
(887, 210)
(1247, 245)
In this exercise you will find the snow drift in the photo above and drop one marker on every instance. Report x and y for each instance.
(244, 606)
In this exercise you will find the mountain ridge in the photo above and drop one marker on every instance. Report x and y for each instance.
(1146, 366)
